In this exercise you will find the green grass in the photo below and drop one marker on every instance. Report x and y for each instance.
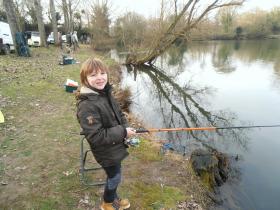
(5, 143)
(27, 153)
(47, 204)
(2, 168)
(156, 196)
(40, 118)
(146, 152)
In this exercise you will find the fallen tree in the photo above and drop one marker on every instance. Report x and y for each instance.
(183, 22)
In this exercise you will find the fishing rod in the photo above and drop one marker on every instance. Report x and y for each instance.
(143, 130)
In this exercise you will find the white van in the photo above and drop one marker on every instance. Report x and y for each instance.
(6, 40)
(33, 38)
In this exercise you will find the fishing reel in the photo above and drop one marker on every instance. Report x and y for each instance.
(134, 142)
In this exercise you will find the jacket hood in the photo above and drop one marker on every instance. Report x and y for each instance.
(84, 93)
(86, 90)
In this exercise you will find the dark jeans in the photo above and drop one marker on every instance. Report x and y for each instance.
(112, 182)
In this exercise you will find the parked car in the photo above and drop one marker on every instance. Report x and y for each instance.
(33, 38)
(63, 37)
(6, 40)
(50, 39)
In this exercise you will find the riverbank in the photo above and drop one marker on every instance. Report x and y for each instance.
(39, 151)
(227, 37)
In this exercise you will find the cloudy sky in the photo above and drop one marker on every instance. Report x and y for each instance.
(150, 7)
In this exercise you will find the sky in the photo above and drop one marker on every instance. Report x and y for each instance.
(151, 7)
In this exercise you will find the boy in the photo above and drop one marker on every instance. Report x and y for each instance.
(105, 128)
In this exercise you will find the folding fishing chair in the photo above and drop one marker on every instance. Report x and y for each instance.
(83, 169)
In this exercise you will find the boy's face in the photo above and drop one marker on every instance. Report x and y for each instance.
(97, 79)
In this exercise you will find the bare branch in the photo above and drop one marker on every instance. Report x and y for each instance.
(176, 30)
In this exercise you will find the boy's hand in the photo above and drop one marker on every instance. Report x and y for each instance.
(130, 132)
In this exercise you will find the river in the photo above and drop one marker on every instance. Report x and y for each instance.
(219, 83)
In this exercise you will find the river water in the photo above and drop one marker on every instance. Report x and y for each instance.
(219, 83)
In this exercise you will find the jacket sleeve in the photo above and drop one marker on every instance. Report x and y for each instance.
(91, 123)
(124, 121)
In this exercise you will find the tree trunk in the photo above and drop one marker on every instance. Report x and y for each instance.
(66, 16)
(12, 20)
(41, 25)
(54, 22)
(88, 20)
(71, 22)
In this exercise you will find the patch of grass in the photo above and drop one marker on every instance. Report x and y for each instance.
(146, 151)
(70, 182)
(27, 153)
(155, 196)
(51, 203)
(47, 204)
(54, 195)
(2, 168)
(5, 143)
(207, 179)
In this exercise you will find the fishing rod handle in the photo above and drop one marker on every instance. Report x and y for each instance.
(141, 130)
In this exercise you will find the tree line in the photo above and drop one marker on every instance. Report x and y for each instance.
(177, 21)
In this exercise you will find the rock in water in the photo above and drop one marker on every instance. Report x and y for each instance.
(211, 166)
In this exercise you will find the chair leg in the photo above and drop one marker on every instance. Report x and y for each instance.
(83, 169)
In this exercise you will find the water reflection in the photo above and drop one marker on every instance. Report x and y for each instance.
(222, 58)
(182, 106)
(186, 103)
(176, 54)
(224, 53)
(243, 77)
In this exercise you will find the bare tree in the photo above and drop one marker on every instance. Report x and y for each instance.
(68, 8)
(41, 26)
(100, 24)
(191, 14)
(30, 11)
(12, 20)
(54, 22)
(226, 18)
(129, 30)
(78, 18)
(66, 15)
(19, 9)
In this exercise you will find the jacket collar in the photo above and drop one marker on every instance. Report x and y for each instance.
(86, 90)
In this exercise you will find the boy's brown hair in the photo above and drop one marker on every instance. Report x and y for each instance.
(89, 66)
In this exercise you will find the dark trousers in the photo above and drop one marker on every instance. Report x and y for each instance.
(113, 179)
